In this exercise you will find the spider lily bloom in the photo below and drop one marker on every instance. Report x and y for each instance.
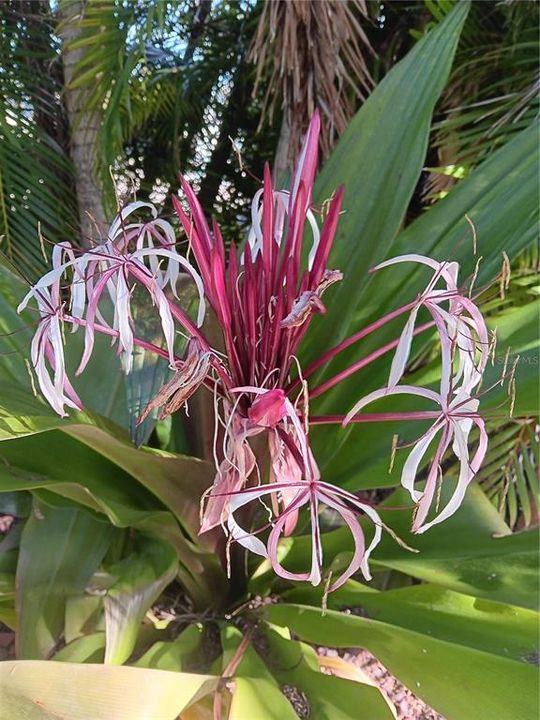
(47, 350)
(264, 298)
(461, 325)
(114, 267)
(310, 494)
(454, 421)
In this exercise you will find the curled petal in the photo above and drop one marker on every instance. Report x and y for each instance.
(385, 392)
(176, 259)
(359, 543)
(403, 349)
(467, 470)
(426, 497)
(447, 270)
(117, 225)
(314, 574)
(243, 537)
(377, 534)
(410, 467)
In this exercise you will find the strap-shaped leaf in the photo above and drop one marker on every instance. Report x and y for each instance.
(60, 550)
(34, 690)
(434, 669)
(142, 577)
(379, 159)
(116, 489)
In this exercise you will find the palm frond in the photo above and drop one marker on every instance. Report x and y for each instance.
(493, 90)
(35, 171)
(510, 473)
(313, 55)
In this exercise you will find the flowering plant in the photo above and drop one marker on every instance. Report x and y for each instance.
(116, 567)
(264, 299)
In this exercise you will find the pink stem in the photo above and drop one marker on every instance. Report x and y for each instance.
(183, 318)
(375, 417)
(207, 382)
(362, 363)
(329, 354)
(114, 333)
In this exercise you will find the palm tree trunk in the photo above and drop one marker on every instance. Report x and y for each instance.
(84, 130)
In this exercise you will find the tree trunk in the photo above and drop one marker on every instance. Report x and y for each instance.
(84, 130)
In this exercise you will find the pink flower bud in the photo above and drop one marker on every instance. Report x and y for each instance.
(268, 409)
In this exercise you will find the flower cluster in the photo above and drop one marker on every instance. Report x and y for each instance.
(264, 297)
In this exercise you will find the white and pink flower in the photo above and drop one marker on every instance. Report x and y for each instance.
(264, 300)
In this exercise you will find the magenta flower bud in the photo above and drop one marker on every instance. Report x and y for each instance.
(268, 409)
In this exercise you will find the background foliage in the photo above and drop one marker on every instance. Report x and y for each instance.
(103, 563)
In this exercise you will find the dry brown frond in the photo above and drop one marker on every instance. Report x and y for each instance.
(314, 54)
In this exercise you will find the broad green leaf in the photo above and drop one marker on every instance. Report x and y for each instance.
(493, 627)
(34, 690)
(175, 655)
(379, 159)
(453, 679)
(258, 698)
(60, 550)
(177, 480)
(85, 649)
(142, 577)
(22, 414)
(500, 197)
(105, 487)
(471, 552)
(83, 614)
(328, 697)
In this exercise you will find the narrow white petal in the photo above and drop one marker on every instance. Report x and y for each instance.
(242, 536)
(124, 213)
(403, 350)
(410, 467)
(386, 391)
(465, 476)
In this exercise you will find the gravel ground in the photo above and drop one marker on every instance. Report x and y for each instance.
(407, 705)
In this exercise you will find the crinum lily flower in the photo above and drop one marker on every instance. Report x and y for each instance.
(454, 421)
(264, 298)
(461, 325)
(110, 266)
(48, 350)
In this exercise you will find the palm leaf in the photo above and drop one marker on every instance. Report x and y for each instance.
(493, 90)
(35, 172)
